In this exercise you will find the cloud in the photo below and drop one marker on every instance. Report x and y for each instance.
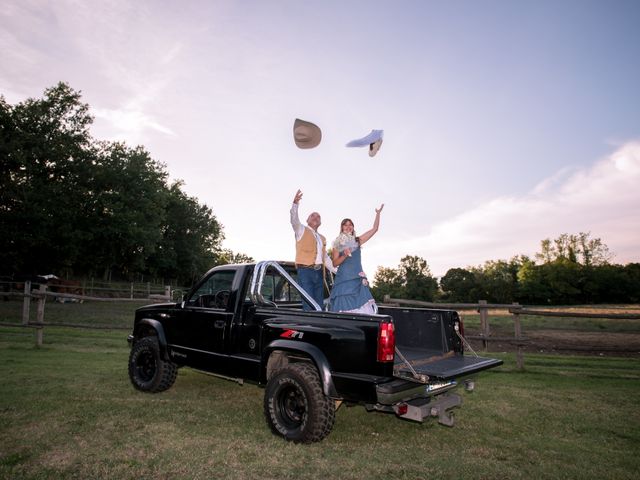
(130, 124)
(602, 198)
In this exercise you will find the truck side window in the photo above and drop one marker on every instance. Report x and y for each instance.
(214, 291)
(277, 289)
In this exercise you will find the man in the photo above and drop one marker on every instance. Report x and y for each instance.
(311, 254)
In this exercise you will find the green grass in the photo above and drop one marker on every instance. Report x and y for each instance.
(68, 411)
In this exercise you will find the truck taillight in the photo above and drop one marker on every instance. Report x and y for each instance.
(386, 342)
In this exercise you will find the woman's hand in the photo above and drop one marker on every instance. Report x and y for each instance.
(347, 252)
(378, 210)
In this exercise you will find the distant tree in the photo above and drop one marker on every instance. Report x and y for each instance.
(411, 280)
(418, 282)
(532, 285)
(45, 147)
(70, 204)
(574, 248)
(191, 238)
(631, 282)
(126, 206)
(498, 279)
(616, 283)
(459, 285)
(227, 256)
(387, 281)
(594, 251)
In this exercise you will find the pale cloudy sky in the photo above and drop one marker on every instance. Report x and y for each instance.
(505, 122)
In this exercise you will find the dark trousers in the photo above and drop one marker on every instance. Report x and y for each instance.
(311, 281)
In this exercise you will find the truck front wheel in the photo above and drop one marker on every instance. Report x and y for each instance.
(296, 407)
(147, 370)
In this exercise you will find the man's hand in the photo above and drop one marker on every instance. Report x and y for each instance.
(297, 198)
(378, 210)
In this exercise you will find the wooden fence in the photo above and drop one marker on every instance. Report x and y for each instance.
(40, 295)
(516, 310)
(482, 307)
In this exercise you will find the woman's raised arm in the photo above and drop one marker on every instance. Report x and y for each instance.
(376, 223)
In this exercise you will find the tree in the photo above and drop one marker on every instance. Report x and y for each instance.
(497, 280)
(418, 282)
(387, 281)
(594, 251)
(227, 256)
(44, 145)
(411, 280)
(460, 285)
(70, 204)
(191, 238)
(125, 207)
(576, 249)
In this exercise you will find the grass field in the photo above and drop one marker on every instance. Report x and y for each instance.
(68, 411)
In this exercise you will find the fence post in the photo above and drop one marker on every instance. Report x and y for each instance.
(518, 335)
(484, 323)
(167, 292)
(26, 302)
(131, 291)
(40, 314)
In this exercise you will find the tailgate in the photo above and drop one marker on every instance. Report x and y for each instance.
(444, 367)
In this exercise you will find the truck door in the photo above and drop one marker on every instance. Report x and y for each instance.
(205, 319)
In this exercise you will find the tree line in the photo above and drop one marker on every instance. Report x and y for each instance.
(77, 206)
(571, 269)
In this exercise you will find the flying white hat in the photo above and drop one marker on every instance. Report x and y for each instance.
(373, 139)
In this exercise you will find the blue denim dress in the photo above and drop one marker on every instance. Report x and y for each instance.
(350, 286)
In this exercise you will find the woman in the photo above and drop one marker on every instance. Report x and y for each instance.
(350, 287)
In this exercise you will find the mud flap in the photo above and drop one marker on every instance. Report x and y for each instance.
(421, 408)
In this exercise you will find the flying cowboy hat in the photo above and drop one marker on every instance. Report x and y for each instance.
(306, 134)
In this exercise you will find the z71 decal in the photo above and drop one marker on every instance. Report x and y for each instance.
(291, 334)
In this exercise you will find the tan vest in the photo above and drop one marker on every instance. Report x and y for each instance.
(306, 248)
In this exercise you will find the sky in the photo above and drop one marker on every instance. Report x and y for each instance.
(504, 122)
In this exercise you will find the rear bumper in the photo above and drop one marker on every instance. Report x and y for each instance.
(399, 390)
(420, 409)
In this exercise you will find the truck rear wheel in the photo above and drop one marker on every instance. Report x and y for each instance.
(295, 405)
(147, 370)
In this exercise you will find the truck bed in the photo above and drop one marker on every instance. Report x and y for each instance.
(427, 340)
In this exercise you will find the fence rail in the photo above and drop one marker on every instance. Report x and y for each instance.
(40, 295)
(516, 310)
(482, 307)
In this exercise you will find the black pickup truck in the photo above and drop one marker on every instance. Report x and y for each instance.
(246, 323)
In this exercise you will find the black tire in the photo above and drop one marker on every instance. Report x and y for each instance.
(296, 407)
(147, 370)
